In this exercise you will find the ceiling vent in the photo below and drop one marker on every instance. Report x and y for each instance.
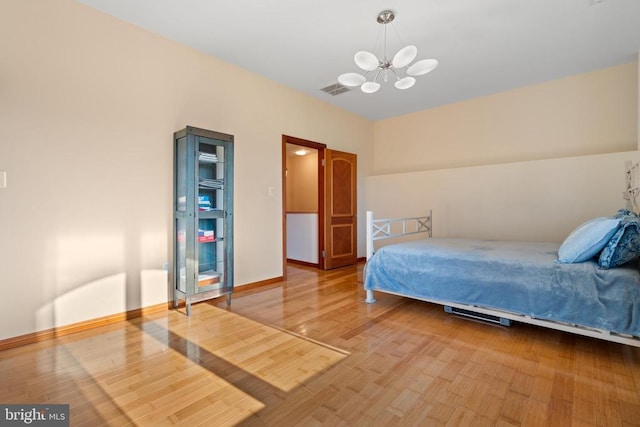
(335, 89)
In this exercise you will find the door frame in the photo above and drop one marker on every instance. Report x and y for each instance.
(286, 139)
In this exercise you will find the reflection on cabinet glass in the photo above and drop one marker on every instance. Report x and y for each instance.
(203, 219)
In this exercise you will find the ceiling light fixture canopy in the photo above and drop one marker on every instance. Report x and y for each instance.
(394, 68)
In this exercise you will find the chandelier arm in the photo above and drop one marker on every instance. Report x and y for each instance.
(394, 73)
(375, 79)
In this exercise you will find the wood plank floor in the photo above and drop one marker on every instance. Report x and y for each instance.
(309, 351)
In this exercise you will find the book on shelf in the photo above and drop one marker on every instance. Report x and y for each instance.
(207, 157)
(204, 203)
(207, 183)
(206, 235)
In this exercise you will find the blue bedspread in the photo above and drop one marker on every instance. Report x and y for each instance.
(518, 277)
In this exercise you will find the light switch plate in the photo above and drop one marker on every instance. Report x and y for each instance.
(3, 179)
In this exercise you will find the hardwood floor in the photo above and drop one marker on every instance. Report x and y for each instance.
(342, 362)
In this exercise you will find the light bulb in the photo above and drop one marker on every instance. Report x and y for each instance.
(405, 83)
(370, 87)
(366, 60)
(422, 67)
(351, 79)
(405, 56)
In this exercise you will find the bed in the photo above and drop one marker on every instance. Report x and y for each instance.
(504, 281)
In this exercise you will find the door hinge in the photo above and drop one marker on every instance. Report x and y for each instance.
(322, 162)
(324, 254)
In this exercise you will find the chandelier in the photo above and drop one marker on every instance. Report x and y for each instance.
(396, 68)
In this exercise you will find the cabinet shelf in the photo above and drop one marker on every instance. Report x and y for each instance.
(208, 277)
(211, 214)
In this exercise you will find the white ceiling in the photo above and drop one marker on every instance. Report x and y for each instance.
(483, 47)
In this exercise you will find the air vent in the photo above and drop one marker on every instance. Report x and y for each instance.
(335, 89)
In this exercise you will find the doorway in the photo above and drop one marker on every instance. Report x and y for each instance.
(319, 205)
(303, 201)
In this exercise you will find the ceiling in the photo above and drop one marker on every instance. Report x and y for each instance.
(483, 47)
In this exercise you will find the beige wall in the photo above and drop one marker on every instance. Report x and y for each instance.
(528, 164)
(88, 108)
(538, 200)
(585, 114)
(302, 182)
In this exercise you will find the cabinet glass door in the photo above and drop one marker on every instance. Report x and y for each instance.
(210, 214)
(180, 214)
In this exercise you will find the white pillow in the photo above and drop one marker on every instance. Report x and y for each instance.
(587, 240)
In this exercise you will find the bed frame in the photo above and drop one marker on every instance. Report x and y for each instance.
(378, 229)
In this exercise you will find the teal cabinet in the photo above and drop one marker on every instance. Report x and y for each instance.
(203, 216)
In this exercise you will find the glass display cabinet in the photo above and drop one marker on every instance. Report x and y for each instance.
(203, 216)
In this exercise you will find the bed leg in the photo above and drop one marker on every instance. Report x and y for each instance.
(369, 299)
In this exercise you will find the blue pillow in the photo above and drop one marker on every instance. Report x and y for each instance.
(624, 246)
(586, 241)
(623, 213)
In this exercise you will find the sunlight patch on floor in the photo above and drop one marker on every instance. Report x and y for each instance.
(281, 358)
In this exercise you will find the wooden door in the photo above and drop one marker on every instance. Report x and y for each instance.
(340, 207)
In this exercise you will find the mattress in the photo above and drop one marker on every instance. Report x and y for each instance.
(520, 277)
